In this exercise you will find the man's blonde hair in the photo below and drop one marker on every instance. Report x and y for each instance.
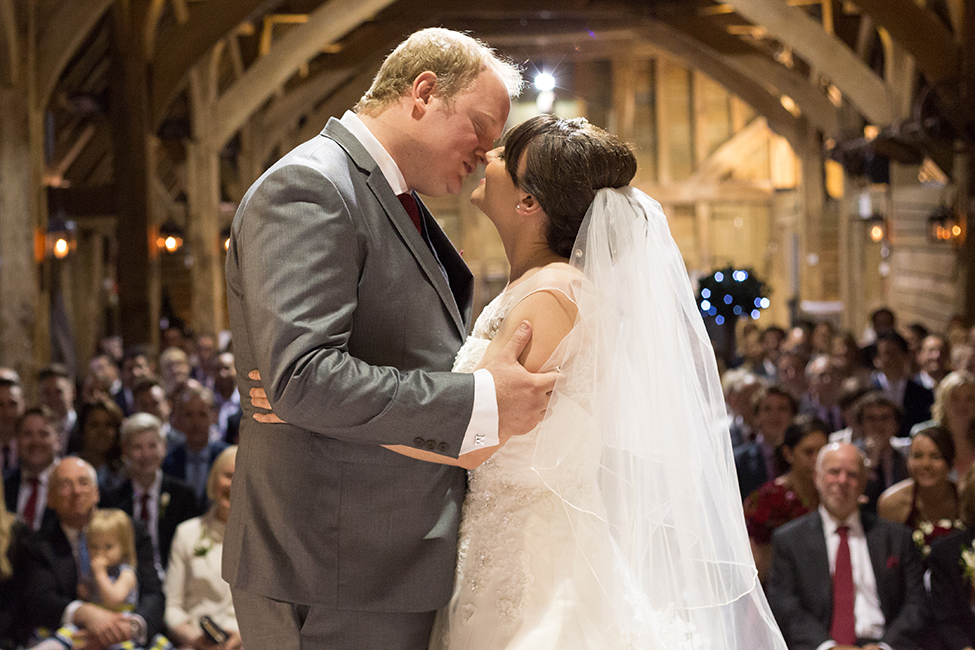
(456, 59)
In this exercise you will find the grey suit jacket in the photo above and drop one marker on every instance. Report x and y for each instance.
(800, 587)
(335, 297)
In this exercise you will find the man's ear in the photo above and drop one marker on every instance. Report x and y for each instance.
(423, 91)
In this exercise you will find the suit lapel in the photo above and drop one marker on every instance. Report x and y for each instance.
(818, 556)
(399, 218)
(878, 545)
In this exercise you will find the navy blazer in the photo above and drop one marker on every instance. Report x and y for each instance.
(52, 577)
(175, 463)
(800, 586)
(750, 464)
(951, 591)
(182, 505)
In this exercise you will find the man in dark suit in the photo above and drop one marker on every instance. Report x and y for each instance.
(841, 578)
(893, 377)
(951, 589)
(351, 302)
(26, 488)
(191, 461)
(878, 419)
(56, 564)
(758, 461)
(148, 495)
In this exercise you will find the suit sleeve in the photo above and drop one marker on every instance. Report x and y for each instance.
(151, 602)
(299, 318)
(46, 596)
(949, 594)
(902, 632)
(801, 629)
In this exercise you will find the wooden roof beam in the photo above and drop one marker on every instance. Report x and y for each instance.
(61, 36)
(325, 25)
(824, 52)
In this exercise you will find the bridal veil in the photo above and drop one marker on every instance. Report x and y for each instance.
(635, 446)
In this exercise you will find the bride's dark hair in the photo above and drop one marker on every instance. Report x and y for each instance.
(565, 163)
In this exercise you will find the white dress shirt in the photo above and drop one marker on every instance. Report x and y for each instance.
(482, 431)
(870, 621)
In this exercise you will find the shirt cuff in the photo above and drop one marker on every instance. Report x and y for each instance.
(825, 645)
(68, 617)
(483, 428)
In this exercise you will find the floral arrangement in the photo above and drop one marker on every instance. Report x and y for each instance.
(204, 544)
(769, 507)
(968, 562)
(928, 531)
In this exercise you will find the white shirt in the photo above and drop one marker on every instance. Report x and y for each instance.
(482, 430)
(870, 621)
(24, 495)
(892, 391)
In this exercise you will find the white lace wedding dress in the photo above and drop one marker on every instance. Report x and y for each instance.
(517, 584)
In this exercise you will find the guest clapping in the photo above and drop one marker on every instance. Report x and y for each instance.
(194, 587)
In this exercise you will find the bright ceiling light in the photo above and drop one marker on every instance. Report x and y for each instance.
(545, 82)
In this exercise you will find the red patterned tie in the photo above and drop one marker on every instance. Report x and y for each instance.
(30, 509)
(144, 514)
(412, 209)
(843, 629)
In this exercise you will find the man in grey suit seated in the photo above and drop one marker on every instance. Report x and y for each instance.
(350, 301)
(842, 577)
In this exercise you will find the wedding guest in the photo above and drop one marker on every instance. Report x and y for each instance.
(191, 460)
(740, 386)
(57, 392)
(882, 321)
(204, 353)
(852, 389)
(97, 441)
(927, 502)
(842, 577)
(772, 339)
(879, 420)
(150, 397)
(194, 587)
(56, 565)
(225, 393)
(914, 334)
(789, 496)
(759, 460)
(174, 369)
(952, 563)
(963, 357)
(27, 487)
(13, 559)
(893, 378)
(148, 495)
(824, 381)
(791, 369)
(137, 364)
(11, 408)
(954, 409)
(846, 354)
(104, 376)
(822, 337)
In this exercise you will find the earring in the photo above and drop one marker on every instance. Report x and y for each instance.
(518, 207)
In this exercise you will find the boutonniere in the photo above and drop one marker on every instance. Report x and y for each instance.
(163, 502)
(892, 562)
(204, 544)
(968, 561)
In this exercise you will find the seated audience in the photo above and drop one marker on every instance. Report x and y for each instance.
(773, 337)
(137, 365)
(954, 409)
(27, 487)
(225, 393)
(952, 563)
(933, 360)
(914, 334)
(927, 502)
(822, 338)
(101, 381)
(97, 441)
(150, 397)
(852, 389)
(791, 369)
(58, 564)
(57, 391)
(739, 387)
(759, 460)
(878, 419)
(174, 370)
(159, 501)
(194, 586)
(893, 379)
(963, 357)
(822, 397)
(842, 577)
(191, 460)
(13, 559)
(791, 495)
(11, 408)
(846, 354)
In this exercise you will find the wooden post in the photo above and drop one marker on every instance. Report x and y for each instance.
(138, 263)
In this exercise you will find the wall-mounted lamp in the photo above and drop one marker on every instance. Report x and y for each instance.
(945, 226)
(170, 238)
(58, 241)
(876, 228)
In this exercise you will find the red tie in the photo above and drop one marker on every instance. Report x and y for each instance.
(144, 514)
(412, 208)
(30, 509)
(843, 629)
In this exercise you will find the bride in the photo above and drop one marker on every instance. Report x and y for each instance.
(617, 522)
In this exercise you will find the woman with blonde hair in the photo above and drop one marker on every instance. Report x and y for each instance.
(199, 609)
(954, 409)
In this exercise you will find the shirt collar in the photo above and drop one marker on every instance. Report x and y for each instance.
(137, 490)
(852, 522)
(374, 148)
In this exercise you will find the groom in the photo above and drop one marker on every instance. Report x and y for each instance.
(351, 302)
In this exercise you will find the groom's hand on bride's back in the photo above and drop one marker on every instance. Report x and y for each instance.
(522, 395)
